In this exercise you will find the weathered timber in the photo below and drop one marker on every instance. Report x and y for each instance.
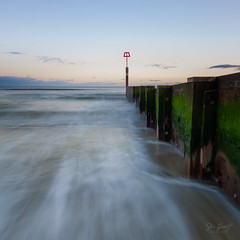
(202, 119)
(163, 112)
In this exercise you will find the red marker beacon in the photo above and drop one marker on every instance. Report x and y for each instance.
(126, 55)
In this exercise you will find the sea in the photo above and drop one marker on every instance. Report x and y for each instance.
(79, 163)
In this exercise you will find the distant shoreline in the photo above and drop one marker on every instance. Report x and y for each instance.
(54, 87)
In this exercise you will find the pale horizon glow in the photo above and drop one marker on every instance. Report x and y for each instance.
(84, 41)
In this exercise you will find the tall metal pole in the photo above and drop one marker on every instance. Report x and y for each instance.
(126, 76)
(126, 55)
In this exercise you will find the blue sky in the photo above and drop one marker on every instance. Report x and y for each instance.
(84, 41)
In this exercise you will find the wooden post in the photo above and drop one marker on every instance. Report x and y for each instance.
(126, 55)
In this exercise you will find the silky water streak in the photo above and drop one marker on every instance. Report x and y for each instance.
(79, 164)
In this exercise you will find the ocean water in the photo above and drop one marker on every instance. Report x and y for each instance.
(80, 164)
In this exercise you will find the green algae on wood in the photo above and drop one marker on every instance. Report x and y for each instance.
(228, 132)
(182, 103)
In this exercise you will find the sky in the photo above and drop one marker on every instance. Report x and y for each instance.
(83, 42)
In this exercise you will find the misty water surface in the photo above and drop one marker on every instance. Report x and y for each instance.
(80, 164)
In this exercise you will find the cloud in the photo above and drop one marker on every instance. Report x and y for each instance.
(14, 53)
(45, 59)
(9, 81)
(155, 80)
(225, 66)
(106, 84)
(161, 66)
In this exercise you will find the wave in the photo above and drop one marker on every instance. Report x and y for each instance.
(93, 97)
(62, 94)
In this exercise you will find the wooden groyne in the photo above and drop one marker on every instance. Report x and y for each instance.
(202, 118)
